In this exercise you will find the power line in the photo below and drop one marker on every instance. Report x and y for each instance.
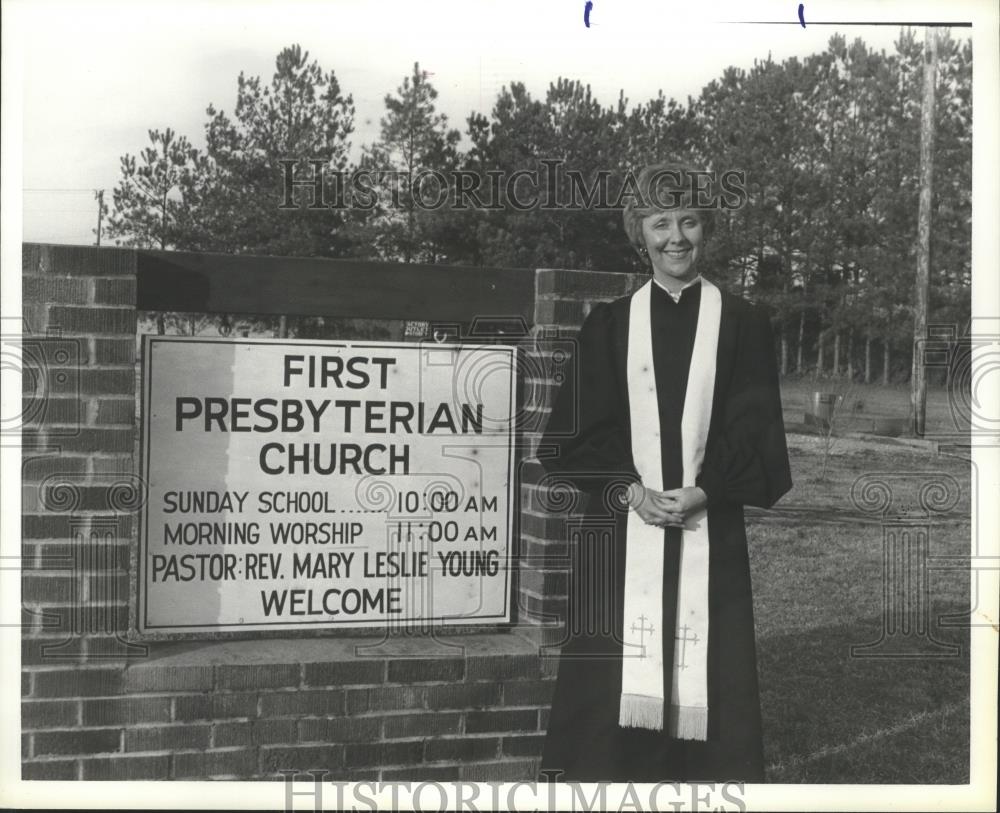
(90, 190)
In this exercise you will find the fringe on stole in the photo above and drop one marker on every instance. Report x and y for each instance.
(641, 711)
(689, 722)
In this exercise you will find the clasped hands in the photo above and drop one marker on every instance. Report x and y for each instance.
(666, 508)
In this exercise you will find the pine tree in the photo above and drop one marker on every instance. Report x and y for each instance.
(415, 156)
(149, 205)
(301, 116)
(226, 197)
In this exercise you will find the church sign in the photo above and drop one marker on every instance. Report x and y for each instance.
(310, 485)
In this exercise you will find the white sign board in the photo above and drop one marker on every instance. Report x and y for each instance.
(303, 485)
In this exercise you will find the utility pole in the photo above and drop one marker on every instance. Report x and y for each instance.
(918, 392)
(99, 196)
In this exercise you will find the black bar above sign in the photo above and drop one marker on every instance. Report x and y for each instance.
(226, 283)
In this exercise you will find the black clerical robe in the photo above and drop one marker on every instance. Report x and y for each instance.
(587, 442)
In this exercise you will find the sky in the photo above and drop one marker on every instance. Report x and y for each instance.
(98, 75)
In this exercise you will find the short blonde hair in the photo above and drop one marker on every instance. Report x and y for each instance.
(665, 186)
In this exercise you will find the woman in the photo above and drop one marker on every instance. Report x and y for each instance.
(673, 402)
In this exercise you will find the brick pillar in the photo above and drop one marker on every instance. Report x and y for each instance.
(79, 494)
(562, 301)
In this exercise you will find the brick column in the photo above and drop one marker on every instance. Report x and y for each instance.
(562, 301)
(79, 492)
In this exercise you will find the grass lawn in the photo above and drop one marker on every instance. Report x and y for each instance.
(866, 401)
(817, 565)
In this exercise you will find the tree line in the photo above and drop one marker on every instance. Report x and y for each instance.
(826, 238)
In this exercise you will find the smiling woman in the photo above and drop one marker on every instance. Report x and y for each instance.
(679, 403)
(673, 243)
(673, 219)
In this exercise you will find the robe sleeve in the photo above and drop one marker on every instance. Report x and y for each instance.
(747, 462)
(586, 438)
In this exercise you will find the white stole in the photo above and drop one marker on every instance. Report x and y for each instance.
(642, 701)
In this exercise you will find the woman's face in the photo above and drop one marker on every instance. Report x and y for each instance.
(675, 241)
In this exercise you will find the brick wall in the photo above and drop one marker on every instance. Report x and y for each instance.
(96, 706)
(376, 718)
